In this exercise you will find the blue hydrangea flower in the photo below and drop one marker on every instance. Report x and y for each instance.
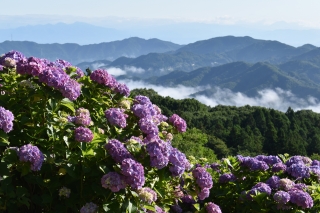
(301, 198)
(133, 172)
(32, 154)
(117, 150)
(89, 208)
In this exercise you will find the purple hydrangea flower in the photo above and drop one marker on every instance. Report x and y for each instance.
(71, 89)
(159, 152)
(62, 64)
(83, 134)
(179, 162)
(300, 186)
(213, 208)
(188, 199)
(270, 160)
(103, 77)
(32, 154)
(116, 116)
(82, 117)
(15, 55)
(298, 170)
(215, 167)
(54, 77)
(315, 163)
(6, 120)
(203, 178)
(273, 182)
(227, 177)
(297, 159)
(178, 122)
(147, 195)
(281, 197)
(259, 187)
(143, 110)
(253, 163)
(117, 150)
(315, 170)
(134, 173)
(89, 208)
(140, 99)
(31, 66)
(204, 193)
(1, 68)
(277, 167)
(301, 198)
(122, 89)
(147, 126)
(113, 181)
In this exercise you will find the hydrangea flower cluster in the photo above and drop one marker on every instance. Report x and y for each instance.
(117, 150)
(213, 208)
(253, 164)
(281, 197)
(203, 180)
(117, 117)
(147, 195)
(82, 117)
(83, 134)
(259, 187)
(113, 181)
(273, 182)
(179, 162)
(1, 68)
(32, 154)
(277, 167)
(300, 198)
(178, 122)
(159, 152)
(89, 208)
(133, 172)
(64, 192)
(103, 77)
(298, 170)
(52, 74)
(6, 120)
(227, 177)
(286, 184)
(15, 55)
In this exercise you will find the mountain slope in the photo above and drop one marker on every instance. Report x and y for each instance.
(241, 77)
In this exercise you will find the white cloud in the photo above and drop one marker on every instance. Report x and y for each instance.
(127, 70)
(116, 71)
(277, 98)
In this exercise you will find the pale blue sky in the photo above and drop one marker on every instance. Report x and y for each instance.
(305, 12)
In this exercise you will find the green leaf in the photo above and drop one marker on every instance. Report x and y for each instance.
(67, 103)
(149, 207)
(4, 139)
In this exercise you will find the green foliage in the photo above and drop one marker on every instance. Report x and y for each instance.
(246, 130)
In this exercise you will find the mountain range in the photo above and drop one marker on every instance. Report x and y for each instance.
(75, 53)
(241, 64)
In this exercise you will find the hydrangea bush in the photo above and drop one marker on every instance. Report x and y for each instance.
(78, 142)
(75, 141)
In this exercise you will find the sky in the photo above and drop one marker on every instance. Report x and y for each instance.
(305, 13)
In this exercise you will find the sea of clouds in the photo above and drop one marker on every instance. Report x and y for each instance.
(275, 98)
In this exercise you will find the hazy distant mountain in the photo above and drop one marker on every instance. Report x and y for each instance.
(79, 33)
(131, 47)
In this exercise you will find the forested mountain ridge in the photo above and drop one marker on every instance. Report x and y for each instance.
(247, 130)
(249, 78)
